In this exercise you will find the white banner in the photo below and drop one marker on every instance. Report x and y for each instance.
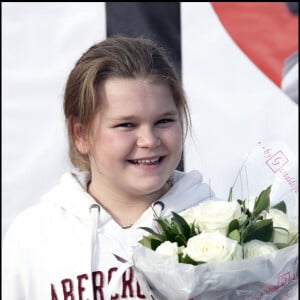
(233, 104)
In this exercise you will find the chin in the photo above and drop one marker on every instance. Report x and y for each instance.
(151, 188)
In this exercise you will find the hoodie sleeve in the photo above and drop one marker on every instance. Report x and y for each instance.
(12, 282)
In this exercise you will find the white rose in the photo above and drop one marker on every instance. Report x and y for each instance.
(280, 219)
(168, 248)
(191, 216)
(215, 215)
(256, 248)
(213, 247)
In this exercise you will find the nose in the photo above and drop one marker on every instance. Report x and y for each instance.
(148, 138)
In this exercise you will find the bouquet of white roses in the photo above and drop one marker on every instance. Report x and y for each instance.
(244, 249)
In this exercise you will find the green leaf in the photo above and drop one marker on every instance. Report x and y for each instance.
(150, 230)
(262, 202)
(182, 225)
(235, 235)
(187, 260)
(280, 206)
(181, 241)
(245, 224)
(234, 224)
(166, 229)
(194, 230)
(175, 228)
(150, 242)
(261, 230)
(281, 245)
(244, 209)
(242, 204)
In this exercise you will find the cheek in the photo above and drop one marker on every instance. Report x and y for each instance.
(178, 135)
(174, 139)
(115, 143)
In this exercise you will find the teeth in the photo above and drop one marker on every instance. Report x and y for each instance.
(146, 161)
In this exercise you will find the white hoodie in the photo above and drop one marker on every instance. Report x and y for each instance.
(62, 249)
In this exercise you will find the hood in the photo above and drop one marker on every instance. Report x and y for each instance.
(71, 194)
(188, 189)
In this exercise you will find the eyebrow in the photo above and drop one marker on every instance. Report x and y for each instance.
(171, 113)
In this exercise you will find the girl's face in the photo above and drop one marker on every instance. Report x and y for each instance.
(136, 137)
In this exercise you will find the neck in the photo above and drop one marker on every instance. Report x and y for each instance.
(124, 209)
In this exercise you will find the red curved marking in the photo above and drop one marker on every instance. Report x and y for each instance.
(265, 31)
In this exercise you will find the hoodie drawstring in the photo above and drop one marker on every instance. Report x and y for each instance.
(95, 212)
(158, 207)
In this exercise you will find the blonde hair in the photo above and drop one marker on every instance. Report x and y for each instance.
(121, 57)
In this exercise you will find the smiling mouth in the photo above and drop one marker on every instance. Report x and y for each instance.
(148, 162)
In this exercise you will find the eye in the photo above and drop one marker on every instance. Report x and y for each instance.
(125, 125)
(164, 121)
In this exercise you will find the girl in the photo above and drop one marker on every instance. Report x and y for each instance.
(126, 116)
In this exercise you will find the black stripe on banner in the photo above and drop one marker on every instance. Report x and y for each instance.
(159, 21)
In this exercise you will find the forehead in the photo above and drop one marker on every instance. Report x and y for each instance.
(120, 93)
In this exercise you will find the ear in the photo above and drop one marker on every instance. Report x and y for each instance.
(80, 138)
